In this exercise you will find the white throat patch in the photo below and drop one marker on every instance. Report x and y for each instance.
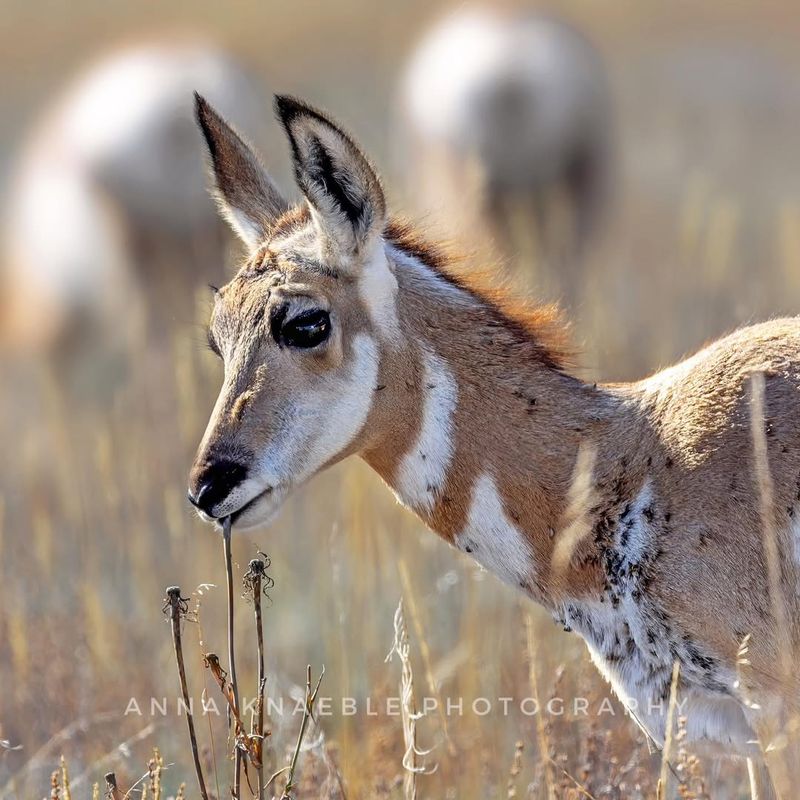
(424, 467)
(492, 539)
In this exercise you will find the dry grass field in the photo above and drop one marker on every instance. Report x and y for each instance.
(702, 234)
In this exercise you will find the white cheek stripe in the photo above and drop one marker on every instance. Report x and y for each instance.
(491, 538)
(327, 421)
(424, 467)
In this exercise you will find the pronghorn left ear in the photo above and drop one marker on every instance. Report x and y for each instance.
(339, 183)
(245, 193)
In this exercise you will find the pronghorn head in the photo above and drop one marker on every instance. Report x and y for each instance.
(299, 328)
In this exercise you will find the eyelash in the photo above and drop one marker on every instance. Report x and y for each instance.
(212, 345)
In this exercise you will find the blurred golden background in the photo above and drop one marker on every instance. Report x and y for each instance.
(109, 243)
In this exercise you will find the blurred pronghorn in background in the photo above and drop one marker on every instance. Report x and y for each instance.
(107, 203)
(505, 128)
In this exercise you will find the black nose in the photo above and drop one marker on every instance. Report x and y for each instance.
(213, 482)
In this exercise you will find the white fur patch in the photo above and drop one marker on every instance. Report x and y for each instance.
(424, 467)
(637, 531)
(491, 538)
(377, 287)
(427, 280)
(794, 536)
(324, 422)
(245, 227)
(638, 679)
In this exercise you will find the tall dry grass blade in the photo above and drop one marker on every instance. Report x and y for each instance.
(774, 558)
(226, 545)
(541, 729)
(178, 607)
(426, 654)
(308, 710)
(673, 701)
(766, 493)
(408, 710)
(67, 794)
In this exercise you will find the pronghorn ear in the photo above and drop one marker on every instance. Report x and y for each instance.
(246, 195)
(339, 183)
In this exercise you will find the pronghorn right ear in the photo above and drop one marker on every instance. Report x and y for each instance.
(342, 189)
(246, 195)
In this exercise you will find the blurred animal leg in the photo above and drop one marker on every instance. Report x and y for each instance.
(584, 183)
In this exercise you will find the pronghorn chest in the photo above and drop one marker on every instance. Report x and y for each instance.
(635, 642)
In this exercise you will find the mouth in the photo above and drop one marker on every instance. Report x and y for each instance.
(256, 512)
(250, 504)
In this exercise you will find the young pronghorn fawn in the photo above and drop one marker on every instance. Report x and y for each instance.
(634, 512)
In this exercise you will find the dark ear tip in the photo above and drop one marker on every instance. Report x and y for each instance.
(287, 107)
(202, 110)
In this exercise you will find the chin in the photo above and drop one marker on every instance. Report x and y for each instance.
(260, 511)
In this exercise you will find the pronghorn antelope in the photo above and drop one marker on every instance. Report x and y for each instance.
(512, 107)
(344, 333)
(107, 189)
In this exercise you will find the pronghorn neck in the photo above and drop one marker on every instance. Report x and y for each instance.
(480, 431)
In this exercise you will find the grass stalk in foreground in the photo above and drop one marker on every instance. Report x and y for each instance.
(177, 608)
(253, 582)
(308, 710)
(226, 543)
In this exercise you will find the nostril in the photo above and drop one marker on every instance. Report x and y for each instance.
(216, 482)
(202, 493)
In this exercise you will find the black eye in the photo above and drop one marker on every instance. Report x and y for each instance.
(308, 329)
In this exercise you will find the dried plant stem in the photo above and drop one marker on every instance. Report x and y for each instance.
(673, 701)
(255, 575)
(426, 655)
(111, 786)
(226, 543)
(308, 710)
(772, 731)
(541, 730)
(766, 493)
(408, 708)
(177, 606)
(262, 679)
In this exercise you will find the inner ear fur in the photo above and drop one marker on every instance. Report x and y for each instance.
(337, 179)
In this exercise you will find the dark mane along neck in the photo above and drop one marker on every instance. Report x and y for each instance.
(537, 327)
